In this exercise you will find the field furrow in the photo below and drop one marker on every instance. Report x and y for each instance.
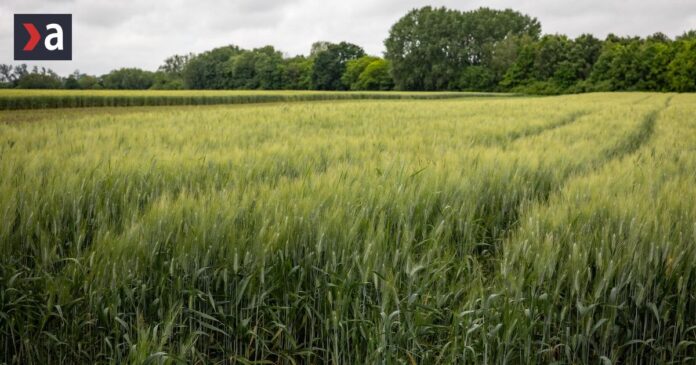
(613, 242)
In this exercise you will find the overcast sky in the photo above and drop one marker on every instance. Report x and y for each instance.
(109, 34)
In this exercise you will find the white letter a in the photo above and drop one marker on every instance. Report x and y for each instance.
(58, 36)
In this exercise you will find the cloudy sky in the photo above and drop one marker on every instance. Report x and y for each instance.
(109, 34)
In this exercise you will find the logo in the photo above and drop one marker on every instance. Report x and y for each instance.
(45, 37)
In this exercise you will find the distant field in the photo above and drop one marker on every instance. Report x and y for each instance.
(467, 230)
(39, 99)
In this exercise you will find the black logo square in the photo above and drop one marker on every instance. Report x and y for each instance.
(43, 37)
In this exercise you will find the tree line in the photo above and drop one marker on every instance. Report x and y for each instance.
(428, 49)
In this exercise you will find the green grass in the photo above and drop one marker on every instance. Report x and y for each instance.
(474, 230)
(13, 99)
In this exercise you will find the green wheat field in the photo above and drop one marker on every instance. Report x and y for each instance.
(431, 229)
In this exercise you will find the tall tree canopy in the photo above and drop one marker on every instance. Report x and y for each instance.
(209, 70)
(298, 73)
(128, 78)
(330, 64)
(176, 64)
(260, 68)
(429, 48)
(682, 70)
(353, 70)
(375, 77)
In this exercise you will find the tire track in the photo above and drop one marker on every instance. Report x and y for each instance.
(625, 147)
(635, 140)
(562, 122)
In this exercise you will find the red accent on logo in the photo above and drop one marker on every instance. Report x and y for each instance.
(34, 36)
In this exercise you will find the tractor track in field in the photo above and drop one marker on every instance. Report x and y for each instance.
(624, 148)
(510, 137)
(561, 122)
(635, 140)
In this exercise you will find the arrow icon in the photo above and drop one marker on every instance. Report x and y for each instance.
(34, 36)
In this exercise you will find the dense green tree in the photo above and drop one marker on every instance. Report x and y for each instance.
(521, 72)
(430, 47)
(690, 34)
(176, 64)
(655, 56)
(170, 75)
(71, 83)
(73, 80)
(485, 27)
(269, 68)
(619, 66)
(681, 72)
(39, 79)
(477, 78)
(426, 49)
(261, 68)
(330, 64)
(542, 67)
(129, 78)
(209, 70)
(551, 52)
(167, 81)
(298, 73)
(317, 47)
(353, 70)
(20, 70)
(89, 82)
(583, 55)
(503, 56)
(611, 37)
(658, 37)
(242, 71)
(493, 34)
(553, 64)
(10, 75)
(376, 76)
(7, 76)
